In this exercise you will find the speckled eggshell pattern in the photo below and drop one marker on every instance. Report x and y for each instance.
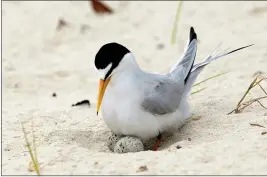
(128, 144)
(112, 140)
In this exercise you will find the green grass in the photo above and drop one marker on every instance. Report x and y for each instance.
(33, 153)
(205, 80)
(176, 22)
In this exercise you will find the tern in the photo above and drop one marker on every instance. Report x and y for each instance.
(141, 104)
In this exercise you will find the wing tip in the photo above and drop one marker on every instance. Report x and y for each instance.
(192, 35)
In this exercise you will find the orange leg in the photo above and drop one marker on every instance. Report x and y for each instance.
(155, 148)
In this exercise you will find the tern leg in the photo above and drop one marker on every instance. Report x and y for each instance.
(159, 138)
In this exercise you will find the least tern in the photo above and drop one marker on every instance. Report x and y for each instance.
(141, 104)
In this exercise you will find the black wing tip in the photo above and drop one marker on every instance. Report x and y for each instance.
(192, 35)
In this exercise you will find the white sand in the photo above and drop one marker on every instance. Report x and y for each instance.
(38, 60)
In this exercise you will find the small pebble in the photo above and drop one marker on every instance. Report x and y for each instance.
(129, 144)
(7, 149)
(178, 147)
(160, 46)
(189, 139)
(84, 28)
(54, 95)
(142, 168)
(61, 24)
(16, 85)
(258, 10)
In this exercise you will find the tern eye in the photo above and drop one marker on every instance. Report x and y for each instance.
(104, 73)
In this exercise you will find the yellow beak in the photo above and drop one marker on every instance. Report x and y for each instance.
(102, 87)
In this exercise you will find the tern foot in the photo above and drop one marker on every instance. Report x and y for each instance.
(129, 144)
(159, 138)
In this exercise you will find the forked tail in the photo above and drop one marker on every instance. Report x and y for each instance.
(197, 68)
(185, 69)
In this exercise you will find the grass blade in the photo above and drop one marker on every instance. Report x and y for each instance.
(174, 29)
(198, 91)
(34, 149)
(28, 145)
(212, 77)
(241, 106)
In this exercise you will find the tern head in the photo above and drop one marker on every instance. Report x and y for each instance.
(110, 58)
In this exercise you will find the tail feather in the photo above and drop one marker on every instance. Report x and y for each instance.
(186, 70)
(193, 36)
(213, 56)
(185, 65)
(197, 68)
(191, 81)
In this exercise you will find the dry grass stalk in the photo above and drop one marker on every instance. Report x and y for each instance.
(241, 106)
(33, 153)
(257, 125)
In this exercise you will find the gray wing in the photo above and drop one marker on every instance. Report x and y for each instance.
(163, 97)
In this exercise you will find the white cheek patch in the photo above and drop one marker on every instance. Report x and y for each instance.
(103, 72)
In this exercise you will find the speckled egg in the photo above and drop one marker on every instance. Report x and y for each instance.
(112, 140)
(128, 144)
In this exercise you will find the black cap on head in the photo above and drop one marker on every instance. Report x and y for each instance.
(111, 53)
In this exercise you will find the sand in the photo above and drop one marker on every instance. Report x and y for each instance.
(38, 61)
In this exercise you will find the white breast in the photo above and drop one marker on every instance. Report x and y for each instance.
(122, 112)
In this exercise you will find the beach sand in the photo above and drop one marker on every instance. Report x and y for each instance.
(39, 60)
